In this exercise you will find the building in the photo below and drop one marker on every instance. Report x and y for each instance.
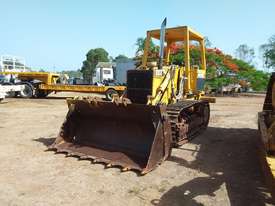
(12, 63)
(121, 71)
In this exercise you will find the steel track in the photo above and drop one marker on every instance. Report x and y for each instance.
(188, 119)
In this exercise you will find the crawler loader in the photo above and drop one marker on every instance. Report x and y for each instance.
(164, 107)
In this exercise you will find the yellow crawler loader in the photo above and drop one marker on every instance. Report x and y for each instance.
(164, 107)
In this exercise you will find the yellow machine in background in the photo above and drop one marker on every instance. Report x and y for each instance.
(266, 120)
(162, 108)
(41, 84)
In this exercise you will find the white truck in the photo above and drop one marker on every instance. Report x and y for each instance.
(2, 94)
(6, 90)
(103, 74)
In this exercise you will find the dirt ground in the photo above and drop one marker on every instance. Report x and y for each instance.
(220, 167)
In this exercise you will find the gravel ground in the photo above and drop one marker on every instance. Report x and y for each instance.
(220, 167)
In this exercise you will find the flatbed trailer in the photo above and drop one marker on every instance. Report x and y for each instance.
(107, 90)
(41, 84)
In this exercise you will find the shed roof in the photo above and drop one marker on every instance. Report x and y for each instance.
(105, 65)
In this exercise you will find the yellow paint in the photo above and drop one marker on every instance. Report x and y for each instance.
(145, 52)
(79, 88)
(49, 83)
(162, 81)
(271, 163)
(203, 58)
(168, 52)
(45, 77)
(187, 59)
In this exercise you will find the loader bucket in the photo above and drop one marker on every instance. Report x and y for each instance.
(132, 136)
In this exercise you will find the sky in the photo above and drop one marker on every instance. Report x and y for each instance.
(56, 34)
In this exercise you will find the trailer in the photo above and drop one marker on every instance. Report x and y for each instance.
(41, 84)
(109, 91)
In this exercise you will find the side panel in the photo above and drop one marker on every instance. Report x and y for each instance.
(139, 85)
(200, 80)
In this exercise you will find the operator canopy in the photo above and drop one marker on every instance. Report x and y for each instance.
(177, 34)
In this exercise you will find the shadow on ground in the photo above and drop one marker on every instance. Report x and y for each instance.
(229, 157)
(47, 141)
(70, 97)
(55, 97)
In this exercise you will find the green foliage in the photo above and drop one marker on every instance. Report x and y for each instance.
(195, 56)
(269, 53)
(245, 53)
(92, 58)
(73, 73)
(258, 79)
(243, 66)
(222, 76)
(178, 58)
(121, 58)
(140, 43)
(218, 82)
(97, 55)
(223, 69)
(207, 42)
(218, 76)
(87, 70)
(212, 59)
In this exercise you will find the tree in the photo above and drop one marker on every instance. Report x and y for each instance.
(73, 73)
(268, 51)
(207, 42)
(245, 53)
(111, 59)
(223, 69)
(87, 71)
(121, 58)
(140, 43)
(92, 58)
